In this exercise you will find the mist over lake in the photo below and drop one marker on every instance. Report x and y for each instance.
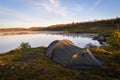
(43, 38)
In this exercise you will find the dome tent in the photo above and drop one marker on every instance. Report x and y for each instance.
(71, 56)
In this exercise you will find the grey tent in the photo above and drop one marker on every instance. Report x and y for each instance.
(71, 56)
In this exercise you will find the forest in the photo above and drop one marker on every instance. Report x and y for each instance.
(97, 26)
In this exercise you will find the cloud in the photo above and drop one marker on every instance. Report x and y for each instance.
(37, 10)
(14, 14)
(14, 18)
(96, 4)
(51, 6)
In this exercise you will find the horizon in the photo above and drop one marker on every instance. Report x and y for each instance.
(43, 13)
(58, 24)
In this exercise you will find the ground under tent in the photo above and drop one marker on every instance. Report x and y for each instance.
(71, 56)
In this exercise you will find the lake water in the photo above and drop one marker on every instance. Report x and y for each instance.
(44, 38)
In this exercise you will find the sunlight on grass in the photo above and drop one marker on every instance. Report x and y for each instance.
(32, 64)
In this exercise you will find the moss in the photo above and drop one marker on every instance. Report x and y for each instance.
(32, 64)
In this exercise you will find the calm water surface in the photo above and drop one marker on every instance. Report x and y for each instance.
(37, 39)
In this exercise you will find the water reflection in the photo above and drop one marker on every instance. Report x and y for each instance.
(36, 39)
(63, 33)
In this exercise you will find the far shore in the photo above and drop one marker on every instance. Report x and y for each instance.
(15, 32)
(28, 32)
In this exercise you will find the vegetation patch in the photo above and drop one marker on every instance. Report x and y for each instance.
(32, 64)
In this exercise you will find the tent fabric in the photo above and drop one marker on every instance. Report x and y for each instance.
(51, 48)
(71, 56)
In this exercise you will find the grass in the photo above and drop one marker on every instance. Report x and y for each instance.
(32, 64)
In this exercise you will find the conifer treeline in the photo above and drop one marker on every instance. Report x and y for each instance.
(90, 26)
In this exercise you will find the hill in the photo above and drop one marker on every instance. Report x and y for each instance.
(98, 26)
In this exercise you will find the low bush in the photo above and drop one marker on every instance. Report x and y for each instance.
(25, 45)
(114, 40)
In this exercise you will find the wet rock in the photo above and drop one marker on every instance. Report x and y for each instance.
(101, 39)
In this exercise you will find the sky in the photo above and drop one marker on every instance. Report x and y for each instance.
(42, 13)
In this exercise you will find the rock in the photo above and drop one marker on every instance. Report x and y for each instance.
(101, 39)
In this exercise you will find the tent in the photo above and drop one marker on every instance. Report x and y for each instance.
(71, 56)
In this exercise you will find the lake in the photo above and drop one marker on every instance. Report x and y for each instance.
(10, 41)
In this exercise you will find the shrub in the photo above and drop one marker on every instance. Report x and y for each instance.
(25, 45)
(100, 50)
(114, 40)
